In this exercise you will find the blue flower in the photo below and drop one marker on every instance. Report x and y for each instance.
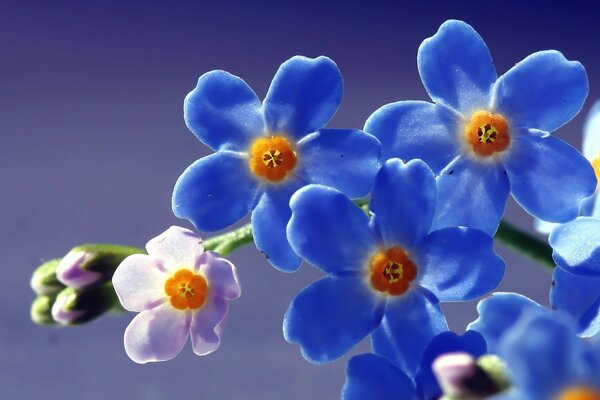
(547, 360)
(488, 136)
(591, 151)
(371, 376)
(576, 279)
(386, 275)
(265, 152)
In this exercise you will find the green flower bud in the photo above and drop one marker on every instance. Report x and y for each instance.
(78, 306)
(41, 310)
(44, 280)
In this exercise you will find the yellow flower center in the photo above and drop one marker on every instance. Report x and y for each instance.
(579, 393)
(392, 271)
(487, 133)
(186, 290)
(272, 158)
(596, 165)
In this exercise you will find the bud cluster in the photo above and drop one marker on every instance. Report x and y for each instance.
(77, 288)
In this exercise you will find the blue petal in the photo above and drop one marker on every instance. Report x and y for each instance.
(344, 159)
(223, 112)
(328, 230)
(409, 323)
(544, 91)
(459, 264)
(470, 342)
(590, 324)
(269, 221)
(576, 245)
(574, 294)
(369, 376)
(304, 95)
(215, 191)
(471, 194)
(330, 316)
(416, 129)
(456, 67)
(591, 133)
(544, 353)
(548, 177)
(498, 313)
(403, 201)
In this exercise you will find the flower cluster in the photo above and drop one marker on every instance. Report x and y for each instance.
(399, 217)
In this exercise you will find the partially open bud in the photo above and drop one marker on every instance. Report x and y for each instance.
(78, 306)
(41, 310)
(461, 377)
(92, 264)
(44, 280)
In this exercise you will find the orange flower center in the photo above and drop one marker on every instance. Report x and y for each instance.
(579, 393)
(272, 158)
(186, 290)
(392, 271)
(487, 133)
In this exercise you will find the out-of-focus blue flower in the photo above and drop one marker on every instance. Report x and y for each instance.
(265, 152)
(548, 361)
(385, 275)
(488, 136)
(370, 376)
(591, 151)
(576, 280)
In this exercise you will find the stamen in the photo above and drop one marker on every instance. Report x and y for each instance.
(391, 271)
(272, 158)
(186, 290)
(487, 134)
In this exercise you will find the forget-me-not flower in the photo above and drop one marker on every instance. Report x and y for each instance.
(385, 275)
(486, 135)
(265, 152)
(179, 290)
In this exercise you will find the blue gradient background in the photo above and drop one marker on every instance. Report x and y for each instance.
(93, 140)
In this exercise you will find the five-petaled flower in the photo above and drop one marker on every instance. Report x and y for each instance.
(488, 136)
(265, 152)
(385, 275)
(179, 290)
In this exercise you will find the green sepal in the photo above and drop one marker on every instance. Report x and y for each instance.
(44, 281)
(41, 310)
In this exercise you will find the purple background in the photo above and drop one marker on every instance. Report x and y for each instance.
(93, 140)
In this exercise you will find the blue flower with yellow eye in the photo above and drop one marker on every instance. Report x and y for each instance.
(487, 136)
(371, 376)
(547, 360)
(265, 152)
(385, 274)
(591, 151)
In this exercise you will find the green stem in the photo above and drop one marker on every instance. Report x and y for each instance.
(229, 242)
(526, 244)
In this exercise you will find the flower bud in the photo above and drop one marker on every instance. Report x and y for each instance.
(461, 377)
(44, 280)
(78, 306)
(41, 310)
(91, 264)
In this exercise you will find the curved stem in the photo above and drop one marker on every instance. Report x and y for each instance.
(526, 244)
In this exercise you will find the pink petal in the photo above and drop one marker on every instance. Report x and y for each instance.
(176, 248)
(139, 283)
(207, 324)
(157, 335)
(220, 274)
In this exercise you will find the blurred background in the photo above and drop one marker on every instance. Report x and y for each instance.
(93, 140)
